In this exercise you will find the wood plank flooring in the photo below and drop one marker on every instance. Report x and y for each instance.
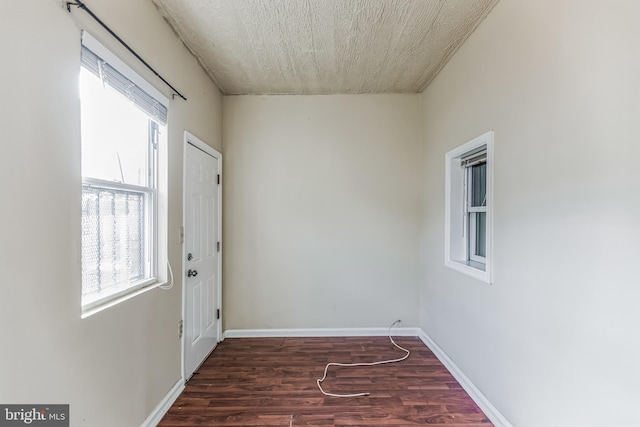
(272, 382)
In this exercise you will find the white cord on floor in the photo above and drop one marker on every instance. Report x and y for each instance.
(381, 362)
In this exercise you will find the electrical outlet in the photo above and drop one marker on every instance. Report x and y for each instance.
(180, 328)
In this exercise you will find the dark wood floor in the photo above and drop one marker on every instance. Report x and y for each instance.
(272, 382)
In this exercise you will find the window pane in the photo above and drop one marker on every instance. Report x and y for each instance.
(113, 240)
(481, 234)
(115, 133)
(479, 185)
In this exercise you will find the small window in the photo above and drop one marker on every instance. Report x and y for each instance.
(468, 208)
(120, 126)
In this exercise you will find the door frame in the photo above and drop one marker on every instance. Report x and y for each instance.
(190, 139)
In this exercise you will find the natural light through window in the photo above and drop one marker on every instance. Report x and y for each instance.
(468, 207)
(120, 124)
(114, 134)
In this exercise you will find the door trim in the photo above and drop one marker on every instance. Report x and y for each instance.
(190, 139)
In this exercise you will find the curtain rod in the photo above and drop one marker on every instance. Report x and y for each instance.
(80, 5)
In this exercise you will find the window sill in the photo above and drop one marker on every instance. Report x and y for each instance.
(91, 310)
(473, 269)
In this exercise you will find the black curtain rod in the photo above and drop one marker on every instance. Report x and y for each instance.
(81, 5)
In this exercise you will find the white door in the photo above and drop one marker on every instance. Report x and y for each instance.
(201, 251)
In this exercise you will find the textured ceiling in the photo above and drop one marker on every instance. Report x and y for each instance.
(323, 46)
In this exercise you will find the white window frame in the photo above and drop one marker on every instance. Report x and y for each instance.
(459, 228)
(150, 191)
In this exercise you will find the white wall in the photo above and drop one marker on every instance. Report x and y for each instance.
(554, 340)
(321, 209)
(115, 366)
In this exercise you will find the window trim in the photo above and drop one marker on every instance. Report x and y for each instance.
(150, 191)
(457, 227)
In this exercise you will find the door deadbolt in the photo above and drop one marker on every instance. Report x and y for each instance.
(192, 273)
(189, 256)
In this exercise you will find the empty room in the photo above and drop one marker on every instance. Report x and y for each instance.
(320, 212)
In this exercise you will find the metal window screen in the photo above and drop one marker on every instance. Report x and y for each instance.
(113, 240)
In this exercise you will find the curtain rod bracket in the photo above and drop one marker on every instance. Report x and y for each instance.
(80, 5)
(69, 4)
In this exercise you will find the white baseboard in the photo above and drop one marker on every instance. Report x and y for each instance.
(158, 412)
(489, 410)
(321, 332)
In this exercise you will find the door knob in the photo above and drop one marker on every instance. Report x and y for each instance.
(192, 273)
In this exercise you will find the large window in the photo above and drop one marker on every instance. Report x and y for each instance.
(121, 123)
(468, 208)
